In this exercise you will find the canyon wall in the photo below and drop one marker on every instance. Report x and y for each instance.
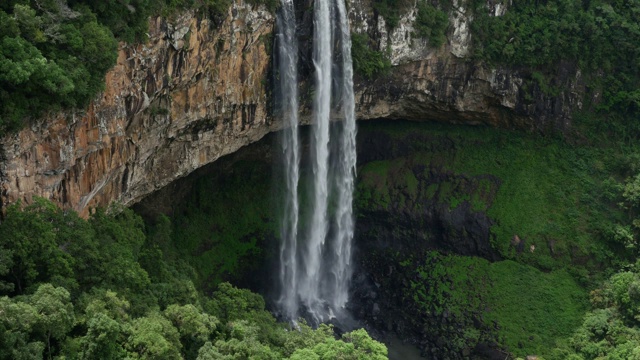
(198, 90)
(194, 92)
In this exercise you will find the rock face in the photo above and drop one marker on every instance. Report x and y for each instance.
(408, 205)
(446, 84)
(194, 92)
(199, 90)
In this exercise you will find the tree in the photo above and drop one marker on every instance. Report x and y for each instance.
(210, 352)
(154, 337)
(120, 238)
(28, 240)
(230, 303)
(103, 339)
(106, 321)
(244, 343)
(195, 326)
(17, 321)
(356, 345)
(431, 23)
(306, 338)
(365, 345)
(55, 313)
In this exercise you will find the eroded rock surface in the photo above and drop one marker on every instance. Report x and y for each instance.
(194, 92)
(447, 84)
(199, 90)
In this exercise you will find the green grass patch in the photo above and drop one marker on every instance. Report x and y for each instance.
(533, 308)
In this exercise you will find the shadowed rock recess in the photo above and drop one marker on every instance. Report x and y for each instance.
(198, 90)
(406, 206)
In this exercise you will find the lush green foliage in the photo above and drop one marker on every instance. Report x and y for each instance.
(431, 23)
(100, 289)
(602, 37)
(51, 56)
(531, 308)
(366, 61)
(610, 331)
(233, 244)
(390, 10)
(548, 193)
(54, 54)
(576, 204)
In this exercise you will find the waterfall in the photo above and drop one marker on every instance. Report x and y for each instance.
(288, 92)
(346, 171)
(315, 262)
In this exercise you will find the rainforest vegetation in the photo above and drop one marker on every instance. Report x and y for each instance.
(103, 289)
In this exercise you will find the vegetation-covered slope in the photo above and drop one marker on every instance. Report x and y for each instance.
(476, 236)
(601, 37)
(435, 202)
(102, 289)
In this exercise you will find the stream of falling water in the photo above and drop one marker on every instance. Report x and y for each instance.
(288, 92)
(315, 261)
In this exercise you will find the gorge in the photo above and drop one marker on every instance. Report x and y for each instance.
(494, 208)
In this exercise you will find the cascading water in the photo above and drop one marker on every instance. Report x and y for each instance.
(315, 269)
(288, 86)
(346, 167)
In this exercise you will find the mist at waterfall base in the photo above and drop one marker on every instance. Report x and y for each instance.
(316, 239)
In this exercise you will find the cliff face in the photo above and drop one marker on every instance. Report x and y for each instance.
(198, 90)
(194, 92)
(446, 84)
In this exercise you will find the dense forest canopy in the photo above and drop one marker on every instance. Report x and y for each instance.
(600, 37)
(103, 289)
(51, 57)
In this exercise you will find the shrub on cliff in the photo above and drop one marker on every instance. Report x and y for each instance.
(367, 62)
(51, 57)
(600, 37)
(431, 23)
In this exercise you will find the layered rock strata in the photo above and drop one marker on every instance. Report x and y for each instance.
(198, 90)
(194, 92)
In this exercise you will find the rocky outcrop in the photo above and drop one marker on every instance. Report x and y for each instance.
(194, 92)
(199, 90)
(447, 84)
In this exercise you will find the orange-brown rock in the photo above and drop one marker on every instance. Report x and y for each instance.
(193, 93)
(198, 90)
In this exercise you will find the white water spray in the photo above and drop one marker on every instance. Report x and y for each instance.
(346, 171)
(288, 86)
(320, 284)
